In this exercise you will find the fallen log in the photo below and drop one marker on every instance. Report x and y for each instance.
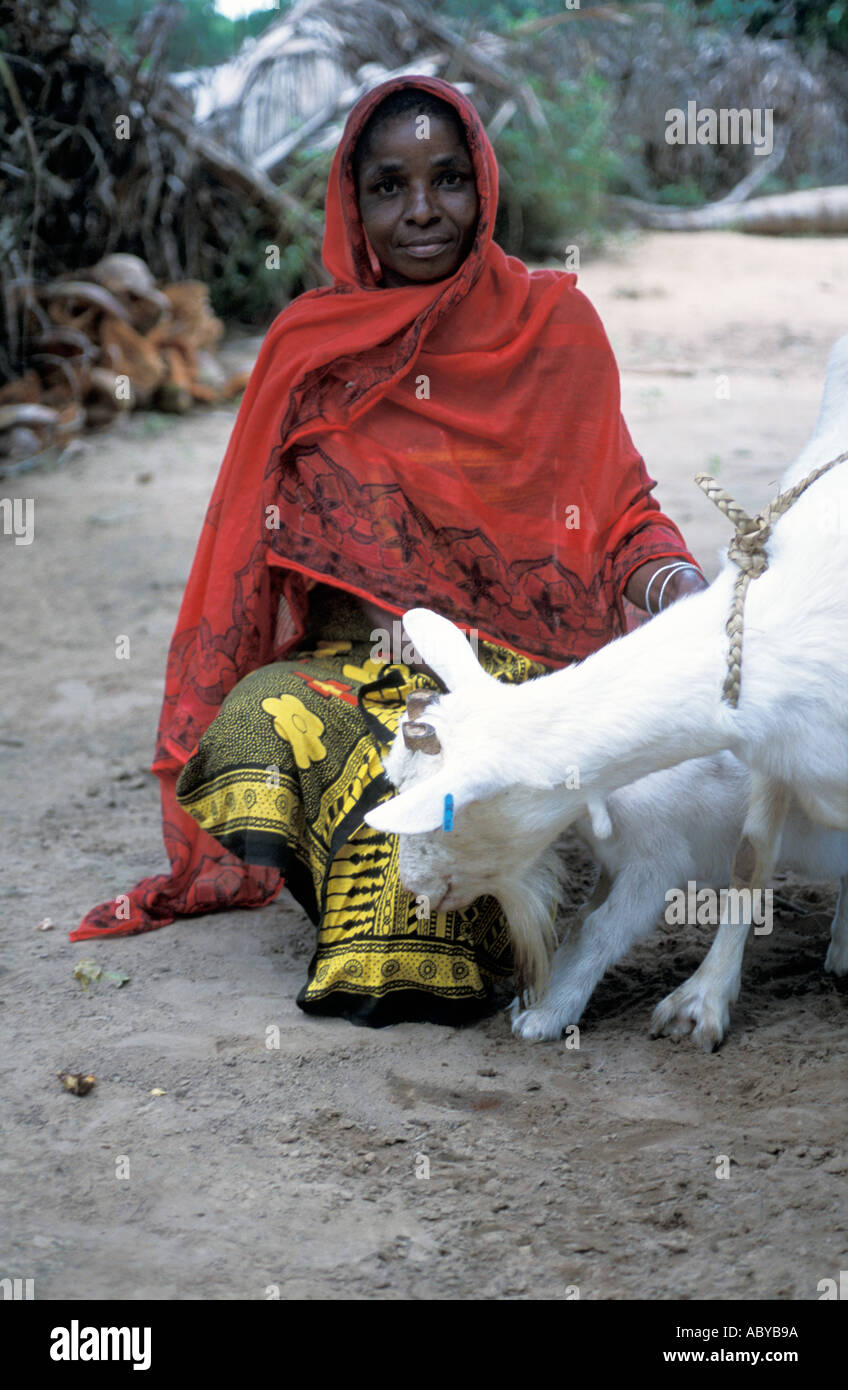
(823, 211)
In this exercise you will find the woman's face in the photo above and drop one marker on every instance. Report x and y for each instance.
(418, 199)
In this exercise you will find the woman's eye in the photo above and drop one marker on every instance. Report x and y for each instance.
(388, 185)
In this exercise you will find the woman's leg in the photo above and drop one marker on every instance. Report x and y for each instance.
(283, 778)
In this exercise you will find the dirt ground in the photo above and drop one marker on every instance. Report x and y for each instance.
(293, 1171)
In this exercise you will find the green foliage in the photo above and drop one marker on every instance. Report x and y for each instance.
(503, 15)
(248, 289)
(809, 21)
(495, 14)
(748, 16)
(202, 38)
(244, 287)
(824, 21)
(686, 194)
(205, 37)
(552, 188)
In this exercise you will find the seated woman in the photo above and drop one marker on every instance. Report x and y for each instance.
(440, 427)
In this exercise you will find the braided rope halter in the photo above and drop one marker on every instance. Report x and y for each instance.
(748, 552)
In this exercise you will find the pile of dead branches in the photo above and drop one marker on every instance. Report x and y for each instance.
(294, 85)
(106, 340)
(99, 154)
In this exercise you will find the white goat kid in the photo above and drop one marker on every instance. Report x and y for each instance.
(644, 703)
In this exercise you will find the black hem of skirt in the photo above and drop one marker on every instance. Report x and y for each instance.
(401, 1006)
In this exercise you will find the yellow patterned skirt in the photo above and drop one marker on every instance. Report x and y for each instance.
(284, 776)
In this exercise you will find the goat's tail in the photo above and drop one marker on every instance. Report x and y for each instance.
(531, 909)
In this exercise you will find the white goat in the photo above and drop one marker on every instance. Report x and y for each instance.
(643, 703)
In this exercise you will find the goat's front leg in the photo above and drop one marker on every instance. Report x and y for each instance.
(836, 960)
(701, 1006)
(618, 915)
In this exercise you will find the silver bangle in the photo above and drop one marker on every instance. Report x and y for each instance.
(677, 570)
(674, 565)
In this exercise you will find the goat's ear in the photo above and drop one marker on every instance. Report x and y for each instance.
(443, 648)
(422, 807)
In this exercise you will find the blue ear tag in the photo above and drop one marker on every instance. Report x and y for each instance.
(447, 818)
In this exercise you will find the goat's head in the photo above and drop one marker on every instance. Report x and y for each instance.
(458, 753)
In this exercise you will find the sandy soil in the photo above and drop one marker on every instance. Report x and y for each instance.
(295, 1168)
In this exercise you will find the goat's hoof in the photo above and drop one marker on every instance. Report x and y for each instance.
(537, 1025)
(836, 960)
(687, 1011)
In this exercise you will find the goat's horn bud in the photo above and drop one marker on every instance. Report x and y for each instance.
(421, 738)
(417, 702)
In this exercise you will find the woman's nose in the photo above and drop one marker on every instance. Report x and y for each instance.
(420, 204)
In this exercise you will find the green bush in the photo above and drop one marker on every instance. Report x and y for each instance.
(809, 21)
(201, 38)
(552, 186)
(244, 287)
(686, 194)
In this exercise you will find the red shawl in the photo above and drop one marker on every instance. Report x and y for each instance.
(459, 446)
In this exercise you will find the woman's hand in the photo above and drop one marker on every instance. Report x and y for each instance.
(673, 586)
(381, 619)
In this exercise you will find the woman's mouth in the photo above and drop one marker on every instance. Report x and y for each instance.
(424, 250)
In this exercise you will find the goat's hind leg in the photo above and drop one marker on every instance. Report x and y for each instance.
(701, 1006)
(836, 960)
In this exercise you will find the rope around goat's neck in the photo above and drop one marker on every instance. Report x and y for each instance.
(747, 550)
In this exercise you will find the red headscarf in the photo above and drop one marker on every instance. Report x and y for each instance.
(459, 446)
